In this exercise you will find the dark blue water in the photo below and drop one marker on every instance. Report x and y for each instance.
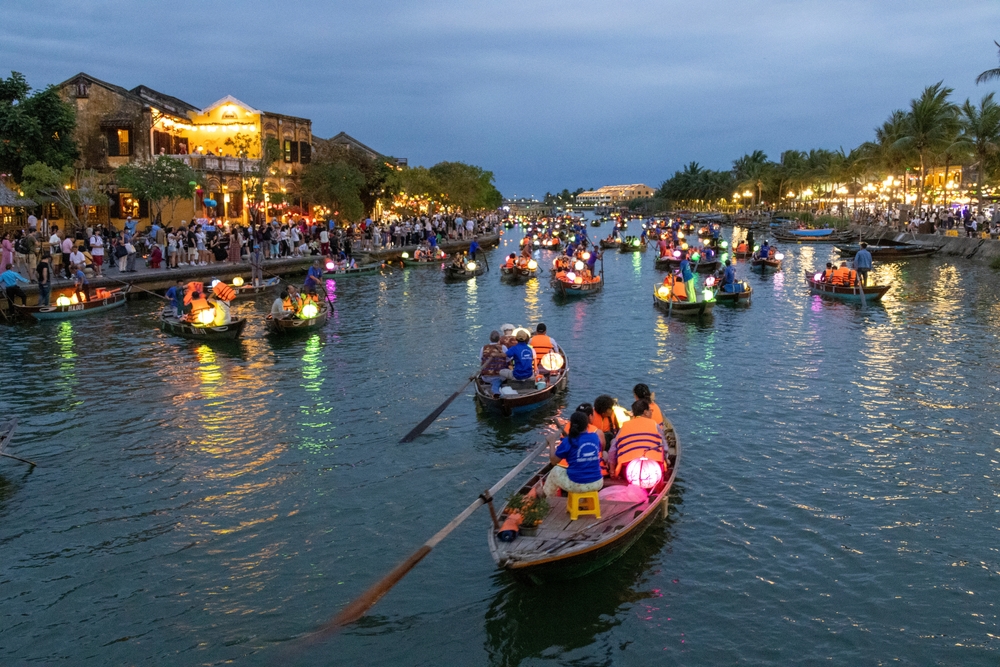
(837, 500)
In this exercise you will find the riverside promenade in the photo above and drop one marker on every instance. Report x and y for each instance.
(146, 280)
(975, 249)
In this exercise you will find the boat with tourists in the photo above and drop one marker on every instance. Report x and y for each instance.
(799, 236)
(242, 290)
(206, 330)
(518, 272)
(568, 541)
(350, 271)
(467, 270)
(514, 396)
(852, 293)
(436, 260)
(311, 317)
(672, 264)
(75, 304)
(668, 300)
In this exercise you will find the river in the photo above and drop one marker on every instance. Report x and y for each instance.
(194, 505)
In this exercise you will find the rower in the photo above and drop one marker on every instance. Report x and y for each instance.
(687, 276)
(639, 437)
(312, 278)
(523, 358)
(582, 451)
(278, 309)
(176, 296)
(728, 279)
(863, 263)
(764, 250)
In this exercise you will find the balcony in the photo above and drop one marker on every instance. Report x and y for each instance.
(217, 164)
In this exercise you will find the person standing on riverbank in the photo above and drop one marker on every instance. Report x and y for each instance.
(44, 273)
(863, 263)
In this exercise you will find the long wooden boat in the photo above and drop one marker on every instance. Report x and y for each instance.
(363, 270)
(452, 272)
(411, 263)
(518, 274)
(631, 247)
(567, 289)
(734, 298)
(246, 291)
(845, 292)
(297, 325)
(673, 264)
(742, 255)
(765, 265)
(111, 299)
(801, 236)
(683, 308)
(528, 397)
(564, 549)
(887, 252)
(172, 324)
(609, 245)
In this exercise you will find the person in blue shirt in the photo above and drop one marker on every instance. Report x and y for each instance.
(581, 450)
(523, 357)
(473, 248)
(729, 278)
(863, 263)
(176, 296)
(687, 277)
(594, 256)
(764, 250)
(313, 277)
(10, 279)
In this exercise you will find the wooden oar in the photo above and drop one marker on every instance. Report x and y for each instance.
(356, 609)
(6, 438)
(141, 289)
(422, 426)
(11, 456)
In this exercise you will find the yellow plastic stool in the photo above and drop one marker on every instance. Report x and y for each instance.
(583, 503)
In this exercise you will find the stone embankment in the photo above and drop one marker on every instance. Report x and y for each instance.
(978, 250)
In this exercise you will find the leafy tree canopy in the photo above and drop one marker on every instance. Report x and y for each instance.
(34, 127)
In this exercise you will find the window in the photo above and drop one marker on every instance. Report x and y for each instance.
(288, 150)
(305, 152)
(82, 88)
(119, 142)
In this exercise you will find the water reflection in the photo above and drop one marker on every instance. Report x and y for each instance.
(67, 380)
(532, 304)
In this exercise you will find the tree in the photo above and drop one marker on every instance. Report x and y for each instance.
(162, 182)
(48, 184)
(751, 170)
(253, 175)
(337, 185)
(467, 187)
(928, 127)
(34, 128)
(981, 134)
(990, 74)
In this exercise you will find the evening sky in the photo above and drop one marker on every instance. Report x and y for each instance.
(545, 94)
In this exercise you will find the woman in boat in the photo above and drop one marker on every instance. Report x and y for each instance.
(639, 437)
(581, 449)
(493, 359)
(642, 392)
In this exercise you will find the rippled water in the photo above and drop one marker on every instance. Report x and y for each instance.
(197, 505)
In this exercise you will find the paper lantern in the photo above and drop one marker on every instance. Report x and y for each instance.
(578, 280)
(74, 300)
(571, 277)
(723, 257)
(696, 257)
(330, 265)
(677, 254)
(663, 291)
(779, 256)
(471, 266)
(756, 248)
(817, 277)
(206, 316)
(725, 244)
(406, 255)
(532, 265)
(708, 295)
(238, 281)
(586, 256)
(63, 301)
(215, 281)
(710, 281)
(643, 473)
(309, 311)
(552, 361)
(579, 265)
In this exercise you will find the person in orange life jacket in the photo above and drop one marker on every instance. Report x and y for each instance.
(828, 273)
(638, 437)
(294, 299)
(844, 275)
(523, 357)
(604, 415)
(641, 391)
(509, 264)
(493, 359)
(582, 451)
(198, 304)
(541, 343)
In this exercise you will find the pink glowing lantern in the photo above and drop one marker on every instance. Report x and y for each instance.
(643, 473)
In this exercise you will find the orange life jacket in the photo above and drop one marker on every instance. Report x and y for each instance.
(190, 289)
(542, 345)
(742, 247)
(657, 415)
(638, 437)
(828, 275)
(199, 304)
(224, 291)
(509, 263)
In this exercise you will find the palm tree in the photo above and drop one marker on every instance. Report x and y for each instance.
(751, 170)
(981, 134)
(989, 74)
(928, 125)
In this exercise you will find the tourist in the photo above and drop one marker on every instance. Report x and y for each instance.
(43, 273)
(278, 308)
(642, 392)
(175, 296)
(9, 279)
(581, 449)
(863, 263)
(171, 250)
(638, 437)
(120, 253)
(313, 277)
(29, 245)
(55, 246)
(77, 260)
(493, 359)
(523, 358)
(97, 251)
(541, 343)
(6, 250)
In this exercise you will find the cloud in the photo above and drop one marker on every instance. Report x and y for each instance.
(546, 94)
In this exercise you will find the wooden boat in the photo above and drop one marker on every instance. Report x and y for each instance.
(682, 308)
(595, 223)
(364, 270)
(609, 245)
(846, 293)
(801, 236)
(632, 247)
(464, 272)
(297, 325)
(411, 263)
(765, 265)
(246, 291)
(102, 300)
(742, 255)
(887, 252)
(528, 396)
(564, 549)
(518, 274)
(172, 324)
(673, 264)
(568, 289)
(734, 298)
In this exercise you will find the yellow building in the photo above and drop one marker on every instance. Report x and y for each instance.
(613, 195)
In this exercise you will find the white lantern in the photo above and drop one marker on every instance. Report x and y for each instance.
(471, 266)
(571, 277)
(63, 301)
(309, 311)
(579, 265)
(552, 361)
(643, 473)
(238, 281)
(532, 265)
(206, 316)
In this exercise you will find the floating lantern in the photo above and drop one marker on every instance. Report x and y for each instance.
(663, 291)
(471, 266)
(63, 301)
(779, 256)
(238, 281)
(677, 254)
(406, 255)
(817, 277)
(330, 266)
(571, 277)
(552, 361)
(643, 473)
(710, 281)
(206, 316)
(579, 265)
(532, 265)
(309, 311)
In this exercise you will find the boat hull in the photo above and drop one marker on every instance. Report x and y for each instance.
(350, 273)
(568, 291)
(735, 298)
(294, 326)
(455, 273)
(522, 403)
(684, 308)
(415, 264)
(517, 276)
(176, 327)
(68, 312)
(765, 265)
(245, 291)
(872, 293)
